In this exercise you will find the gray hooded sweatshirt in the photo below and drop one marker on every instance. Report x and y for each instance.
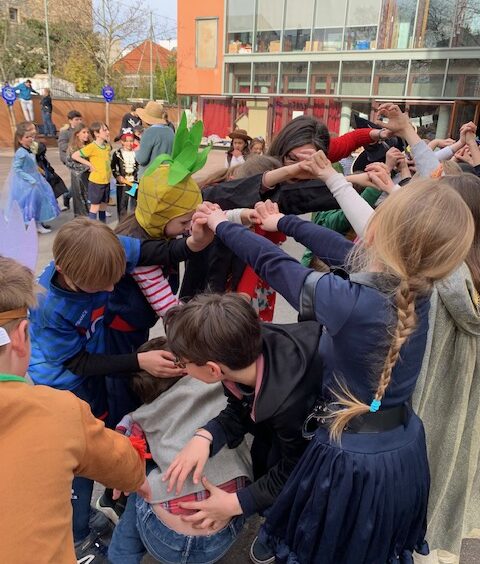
(170, 421)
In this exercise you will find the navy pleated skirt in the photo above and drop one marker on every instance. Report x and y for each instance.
(361, 502)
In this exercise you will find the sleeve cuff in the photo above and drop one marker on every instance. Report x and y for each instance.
(247, 502)
(218, 434)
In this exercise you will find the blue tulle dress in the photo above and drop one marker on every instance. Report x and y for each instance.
(30, 190)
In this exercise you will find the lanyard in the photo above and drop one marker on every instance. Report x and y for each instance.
(11, 378)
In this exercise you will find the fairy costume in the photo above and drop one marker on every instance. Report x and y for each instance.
(363, 500)
(30, 190)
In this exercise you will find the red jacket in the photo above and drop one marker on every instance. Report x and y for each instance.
(341, 147)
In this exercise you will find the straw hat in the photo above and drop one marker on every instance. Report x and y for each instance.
(151, 113)
(240, 134)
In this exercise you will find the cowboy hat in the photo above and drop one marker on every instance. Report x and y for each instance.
(240, 134)
(151, 113)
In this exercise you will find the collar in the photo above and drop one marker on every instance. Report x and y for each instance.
(11, 378)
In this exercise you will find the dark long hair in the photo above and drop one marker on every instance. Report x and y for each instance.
(468, 186)
(303, 130)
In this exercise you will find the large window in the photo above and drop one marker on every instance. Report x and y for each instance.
(269, 25)
(293, 78)
(362, 24)
(356, 78)
(298, 25)
(390, 78)
(435, 23)
(240, 14)
(206, 42)
(324, 78)
(265, 78)
(463, 78)
(329, 22)
(467, 24)
(237, 78)
(397, 24)
(426, 78)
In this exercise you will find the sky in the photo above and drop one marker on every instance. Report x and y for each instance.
(167, 8)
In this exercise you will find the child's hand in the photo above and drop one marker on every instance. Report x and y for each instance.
(249, 217)
(398, 121)
(194, 455)
(322, 166)
(379, 175)
(268, 215)
(145, 491)
(213, 513)
(392, 158)
(200, 235)
(159, 364)
(212, 218)
(92, 168)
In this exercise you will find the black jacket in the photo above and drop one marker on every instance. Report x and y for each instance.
(292, 377)
(292, 198)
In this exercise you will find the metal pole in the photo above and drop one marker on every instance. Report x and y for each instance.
(49, 60)
(151, 56)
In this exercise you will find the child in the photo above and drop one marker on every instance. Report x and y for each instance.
(79, 138)
(270, 374)
(28, 187)
(362, 499)
(257, 146)
(239, 148)
(124, 169)
(50, 437)
(166, 202)
(172, 411)
(67, 327)
(96, 156)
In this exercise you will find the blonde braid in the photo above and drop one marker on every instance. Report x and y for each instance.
(352, 407)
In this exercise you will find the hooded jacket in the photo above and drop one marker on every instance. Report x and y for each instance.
(447, 398)
(275, 413)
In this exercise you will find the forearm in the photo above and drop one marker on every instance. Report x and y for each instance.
(357, 211)
(425, 159)
(341, 147)
(328, 246)
(279, 270)
(475, 152)
(77, 157)
(447, 153)
(86, 364)
(164, 252)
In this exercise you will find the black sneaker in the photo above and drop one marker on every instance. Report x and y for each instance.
(260, 553)
(92, 550)
(109, 507)
(100, 524)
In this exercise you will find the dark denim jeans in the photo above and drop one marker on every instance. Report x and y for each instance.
(49, 128)
(140, 530)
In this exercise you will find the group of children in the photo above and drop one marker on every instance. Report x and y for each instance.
(338, 464)
(90, 159)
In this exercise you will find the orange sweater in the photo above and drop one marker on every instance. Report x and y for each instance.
(47, 437)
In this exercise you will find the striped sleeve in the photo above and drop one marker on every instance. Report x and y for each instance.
(155, 288)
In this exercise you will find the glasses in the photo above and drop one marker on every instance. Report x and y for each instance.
(179, 363)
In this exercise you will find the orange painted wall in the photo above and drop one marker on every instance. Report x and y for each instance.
(190, 79)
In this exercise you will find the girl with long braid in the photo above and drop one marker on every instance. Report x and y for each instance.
(359, 493)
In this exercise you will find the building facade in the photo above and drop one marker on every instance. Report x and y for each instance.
(80, 11)
(267, 61)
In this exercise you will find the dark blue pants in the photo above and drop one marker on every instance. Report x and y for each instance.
(49, 128)
(82, 489)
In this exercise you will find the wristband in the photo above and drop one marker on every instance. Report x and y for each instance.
(203, 437)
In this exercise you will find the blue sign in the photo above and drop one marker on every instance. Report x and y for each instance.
(9, 95)
(108, 93)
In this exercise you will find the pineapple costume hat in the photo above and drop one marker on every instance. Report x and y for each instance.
(167, 189)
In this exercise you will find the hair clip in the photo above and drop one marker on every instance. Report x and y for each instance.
(375, 405)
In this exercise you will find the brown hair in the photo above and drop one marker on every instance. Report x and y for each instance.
(74, 143)
(451, 168)
(415, 237)
(89, 253)
(130, 227)
(255, 164)
(20, 131)
(468, 186)
(146, 386)
(17, 285)
(257, 141)
(95, 127)
(221, 328)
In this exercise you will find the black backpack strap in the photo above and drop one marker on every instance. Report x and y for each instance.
(306, 311)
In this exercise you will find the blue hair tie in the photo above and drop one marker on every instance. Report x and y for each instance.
(375, 405)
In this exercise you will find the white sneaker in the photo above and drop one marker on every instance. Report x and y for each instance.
(63, 208)
(43, 230)
(108, 214)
